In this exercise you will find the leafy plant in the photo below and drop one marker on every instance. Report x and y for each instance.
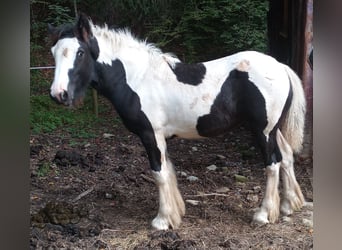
(43, 169)
(205, 29)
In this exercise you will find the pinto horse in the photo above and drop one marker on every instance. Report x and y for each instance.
(157, 96)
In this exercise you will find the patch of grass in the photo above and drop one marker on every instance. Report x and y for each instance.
(40, 81)
(43, 169)
(46, 116)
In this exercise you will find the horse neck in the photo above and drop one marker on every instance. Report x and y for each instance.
(135, 60)
(136, 63)
(139, 59)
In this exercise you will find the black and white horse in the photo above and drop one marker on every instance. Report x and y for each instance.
(157, 96)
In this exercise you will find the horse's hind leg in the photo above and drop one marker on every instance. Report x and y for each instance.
(269, 209)
(171, 204)
(293, 198)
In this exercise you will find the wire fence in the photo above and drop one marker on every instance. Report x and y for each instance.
(42, 67)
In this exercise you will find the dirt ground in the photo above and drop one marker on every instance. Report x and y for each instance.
(99, 193)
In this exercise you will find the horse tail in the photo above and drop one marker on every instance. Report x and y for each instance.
(293, 125)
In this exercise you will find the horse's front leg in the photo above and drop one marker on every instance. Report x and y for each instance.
(171, 204)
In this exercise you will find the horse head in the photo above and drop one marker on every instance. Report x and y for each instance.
(75, 51)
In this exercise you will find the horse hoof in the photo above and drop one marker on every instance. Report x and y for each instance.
(160, 223)
(285, 208)
(260, 218)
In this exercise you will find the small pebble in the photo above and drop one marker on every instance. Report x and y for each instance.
(212, 167)
(240, 178)
(182, 174)
(108, 196)
(252, 197)
(192, 178)
(307, 222)
(107, 135)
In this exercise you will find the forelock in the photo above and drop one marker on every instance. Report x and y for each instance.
(65, 31)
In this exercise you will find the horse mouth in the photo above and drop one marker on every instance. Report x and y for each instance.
(68, 101)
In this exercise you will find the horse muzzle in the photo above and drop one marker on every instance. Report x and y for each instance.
(61, 98)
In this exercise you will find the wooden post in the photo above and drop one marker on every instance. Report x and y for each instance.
(96, 106)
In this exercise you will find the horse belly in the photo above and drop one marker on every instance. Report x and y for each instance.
(182, 124)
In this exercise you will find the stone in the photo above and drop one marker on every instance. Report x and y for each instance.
(212, 167)
(240, 178)
(252, 197)
(192, 178)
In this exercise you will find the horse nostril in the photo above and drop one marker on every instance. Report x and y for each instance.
(63, 96)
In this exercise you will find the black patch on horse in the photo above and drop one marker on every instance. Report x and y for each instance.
(113, 85)
(238, 95)
(238, 100)
(192, 74)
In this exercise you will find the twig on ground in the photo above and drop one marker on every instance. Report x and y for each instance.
(146, 178)
(203, 195)
(81, 195)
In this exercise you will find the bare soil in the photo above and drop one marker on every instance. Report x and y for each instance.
(99, 193)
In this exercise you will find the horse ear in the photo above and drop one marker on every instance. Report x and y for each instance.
(83, 30)
(53, 33)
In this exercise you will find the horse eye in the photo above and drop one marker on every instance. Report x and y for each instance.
(80, 53)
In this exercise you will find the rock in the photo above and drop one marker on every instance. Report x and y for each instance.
(307, 222)
(108, 196)
(192, 178)
(182, 174)
(194, 149)
(107, 135)
(252, 197)
(212, 167)
(240, 178)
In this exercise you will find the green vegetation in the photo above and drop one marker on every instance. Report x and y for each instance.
(43, 169)
(195, 30)
(206, 30)
(46, 116)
